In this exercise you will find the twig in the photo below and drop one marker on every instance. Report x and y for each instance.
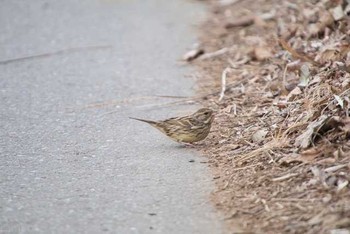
(217, 53)
(335, 168)
(296, 54)
(107, 113)
(287, 199)
(241, 22)
(285, 177)
(59, 52)
(242, 168)
(223, 82)
(263, 201)
(268, 146)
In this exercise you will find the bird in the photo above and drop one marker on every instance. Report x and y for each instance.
(186, 129)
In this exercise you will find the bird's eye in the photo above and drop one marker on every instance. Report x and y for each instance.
(206, 113)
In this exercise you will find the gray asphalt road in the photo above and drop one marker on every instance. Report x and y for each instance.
(71, 161)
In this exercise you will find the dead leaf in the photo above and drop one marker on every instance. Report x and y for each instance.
(327, 198)
(306, 138)
(339, 100)
(341, 184)
(337, 12)
(345, 127)
(332, 54)
(295, 92)
(325, 20)
(259, 135)
(227, 2)
(261, 53)
(304, 76)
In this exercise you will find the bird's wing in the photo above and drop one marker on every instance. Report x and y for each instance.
(183, 122)
(193, 123)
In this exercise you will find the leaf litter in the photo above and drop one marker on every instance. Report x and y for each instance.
(277, 72)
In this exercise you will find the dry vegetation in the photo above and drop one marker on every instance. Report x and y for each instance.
(280, 146)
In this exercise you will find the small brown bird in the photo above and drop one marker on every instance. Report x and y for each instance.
(186, 129)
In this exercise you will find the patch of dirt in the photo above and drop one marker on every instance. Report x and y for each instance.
(277, 72)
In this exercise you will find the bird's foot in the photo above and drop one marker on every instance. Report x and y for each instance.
(189, 145)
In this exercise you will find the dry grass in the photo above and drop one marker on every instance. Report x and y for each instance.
(280, 145)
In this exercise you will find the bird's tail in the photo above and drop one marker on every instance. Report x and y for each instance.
(145, 120)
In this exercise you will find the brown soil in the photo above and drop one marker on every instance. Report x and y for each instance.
(279, 148)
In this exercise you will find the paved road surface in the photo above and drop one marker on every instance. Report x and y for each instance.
(71, 161)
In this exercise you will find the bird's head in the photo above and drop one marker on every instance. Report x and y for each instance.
(205, 115)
